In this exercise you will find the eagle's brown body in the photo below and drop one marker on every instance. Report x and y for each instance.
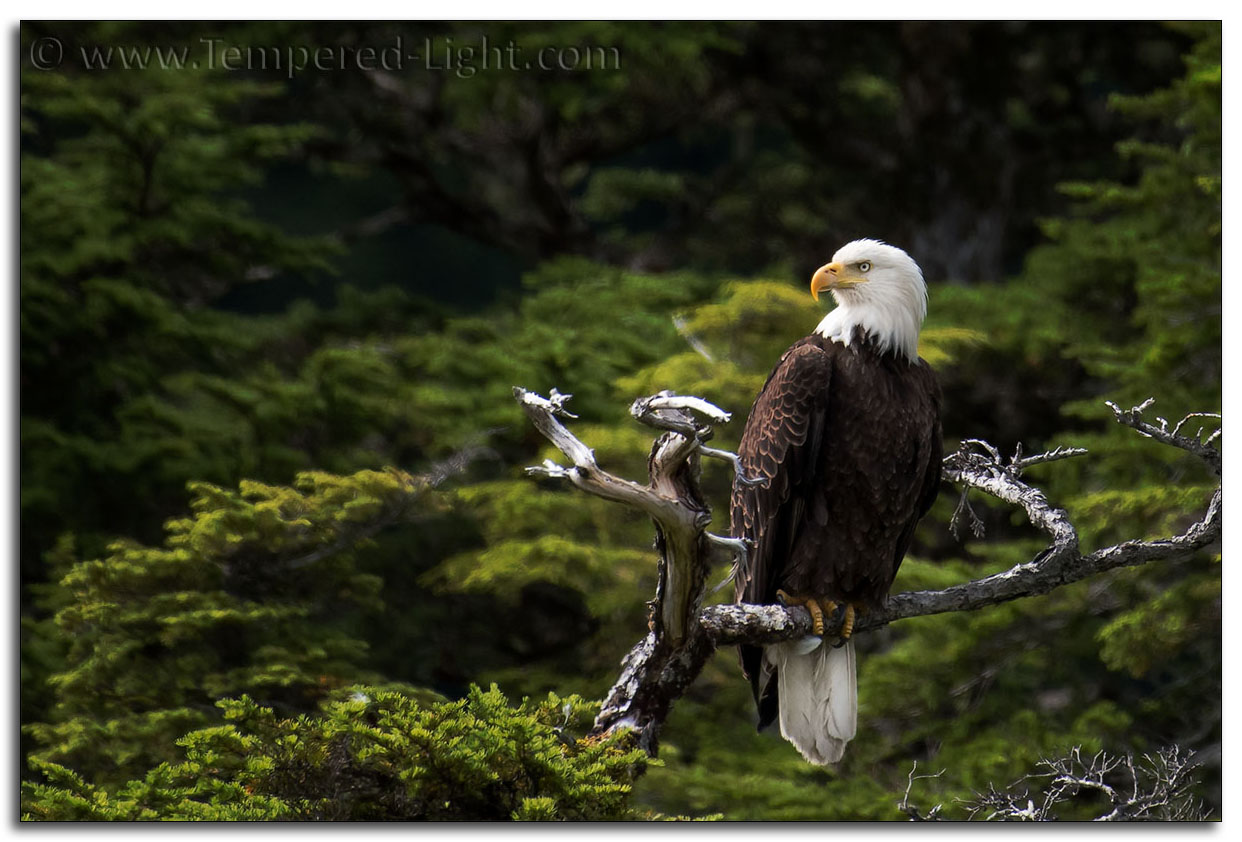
(848, 441)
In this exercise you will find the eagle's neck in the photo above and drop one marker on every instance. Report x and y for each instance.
(892, 326)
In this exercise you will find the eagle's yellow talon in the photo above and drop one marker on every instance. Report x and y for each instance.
(847, 625)
(817, 617)
(829, 606)
(821, 608)
(849, 614)
(811, 605)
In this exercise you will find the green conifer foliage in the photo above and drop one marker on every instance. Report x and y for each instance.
(283, 598)
(1156, 243)
(372, 754)
(1123, 304)
(249, 594)
(132, 223)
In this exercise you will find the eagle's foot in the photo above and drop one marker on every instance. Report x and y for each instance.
(812, 605)
(839, 614)
(850, 612)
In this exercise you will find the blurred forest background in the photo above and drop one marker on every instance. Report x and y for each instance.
(269, 452)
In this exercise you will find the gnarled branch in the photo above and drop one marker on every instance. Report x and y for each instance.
(682, 637)
(1154, 788)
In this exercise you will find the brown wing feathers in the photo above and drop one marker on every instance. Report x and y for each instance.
(838, 507)
(781, 444)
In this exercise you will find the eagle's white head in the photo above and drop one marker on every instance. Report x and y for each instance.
(878, 288)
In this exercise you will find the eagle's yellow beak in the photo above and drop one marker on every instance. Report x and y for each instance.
(833, 276)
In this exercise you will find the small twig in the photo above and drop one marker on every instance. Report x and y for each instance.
(692, 340)
(739, 549)
(1053, 455)
(667, 400)
(458, 462)
(1159, 789)
(1133, 418)
(962, 511)
(732, 458)
(990, 473)
(557, 401)
(933, 815)
(1178, 429)
(989, 449)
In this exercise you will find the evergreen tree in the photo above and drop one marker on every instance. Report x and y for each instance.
(373, 755)
(251, 594)
(339, 612)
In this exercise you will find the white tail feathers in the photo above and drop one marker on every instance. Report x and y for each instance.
(818, 697)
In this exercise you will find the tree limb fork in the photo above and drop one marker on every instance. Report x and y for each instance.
(683, 635)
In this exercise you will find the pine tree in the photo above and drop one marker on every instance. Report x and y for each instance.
(132, 223)
(372, 755)
(250, 594)
(283, 598)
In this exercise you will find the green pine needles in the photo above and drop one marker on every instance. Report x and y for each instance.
(266, 653)
(225, 606)
(374, 755)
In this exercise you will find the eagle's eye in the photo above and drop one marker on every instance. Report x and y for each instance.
(865, 266)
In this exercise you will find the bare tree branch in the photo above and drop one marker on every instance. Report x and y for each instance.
(585, 473)
(693, 341)
(671, 656)
(682, 637)
(1153, 788)
(964, 512)
(1203, 449)
(1060, 564)
(911, 810)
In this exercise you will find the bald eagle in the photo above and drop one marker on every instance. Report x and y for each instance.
(840, 458)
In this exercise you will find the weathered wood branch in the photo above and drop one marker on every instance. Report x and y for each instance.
(672, 498)
(1060, 564)
(682, 637)
(1192, 444)
(1155, 787)
(676, 647)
